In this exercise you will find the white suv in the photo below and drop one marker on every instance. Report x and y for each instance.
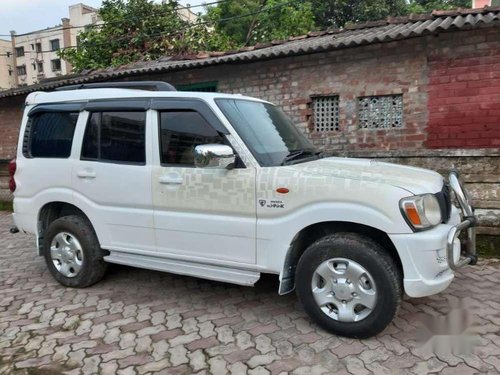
(225, 187)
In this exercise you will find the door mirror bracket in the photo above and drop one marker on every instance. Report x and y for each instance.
(214, 156)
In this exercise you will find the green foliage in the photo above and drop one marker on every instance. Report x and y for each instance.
(488, 246)
(143, 29)
(139, 29)
(266, 20)
(6, 206)
(337, 13)
(424, 6)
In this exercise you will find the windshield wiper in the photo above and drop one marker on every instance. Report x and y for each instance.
(295, 154)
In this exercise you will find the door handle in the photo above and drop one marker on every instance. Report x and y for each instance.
(169, 180)
(86, 174)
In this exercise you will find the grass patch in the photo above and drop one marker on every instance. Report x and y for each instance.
(6, 206)
(43, 371)
(488, 246)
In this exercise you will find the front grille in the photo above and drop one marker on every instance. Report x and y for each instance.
(444, 199)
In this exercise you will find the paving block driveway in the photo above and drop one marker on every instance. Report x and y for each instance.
(138, 321)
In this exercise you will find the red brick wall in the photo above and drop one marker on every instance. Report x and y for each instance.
(380, 69)
(450, 86)
(449, 82)
(464, 91)
(11, 112)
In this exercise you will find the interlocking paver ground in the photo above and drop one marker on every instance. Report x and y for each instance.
(142, 322)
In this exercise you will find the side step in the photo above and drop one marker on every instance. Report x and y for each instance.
(180, 267)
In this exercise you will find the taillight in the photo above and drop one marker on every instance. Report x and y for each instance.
(12, 172)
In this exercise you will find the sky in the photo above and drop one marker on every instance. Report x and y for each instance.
(29, 15)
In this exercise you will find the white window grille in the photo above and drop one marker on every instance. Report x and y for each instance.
(380, 112)
(326, 113)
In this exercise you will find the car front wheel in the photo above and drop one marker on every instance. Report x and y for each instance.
(349, 285)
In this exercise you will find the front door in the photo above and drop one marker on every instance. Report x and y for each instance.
(205, 215)
(112, 178)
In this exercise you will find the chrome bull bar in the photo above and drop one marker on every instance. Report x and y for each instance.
(469, 223)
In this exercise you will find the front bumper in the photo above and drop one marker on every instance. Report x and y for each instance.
(424, 258)
(430, 257)
(469, 222)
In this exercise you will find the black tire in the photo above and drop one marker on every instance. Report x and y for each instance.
(93, 266)
(374, 259)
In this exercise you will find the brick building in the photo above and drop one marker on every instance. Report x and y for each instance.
(421, 90)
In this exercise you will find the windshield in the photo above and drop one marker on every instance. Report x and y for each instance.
(267, 131)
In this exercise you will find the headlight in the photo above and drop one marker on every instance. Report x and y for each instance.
(421, 211)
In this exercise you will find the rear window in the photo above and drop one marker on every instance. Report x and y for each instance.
(50, 135)
(115, 137)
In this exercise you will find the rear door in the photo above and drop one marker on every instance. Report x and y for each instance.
(112, 177)
(200, 213)
(44, 160)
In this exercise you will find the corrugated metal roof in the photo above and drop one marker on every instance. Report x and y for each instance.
(393, 28)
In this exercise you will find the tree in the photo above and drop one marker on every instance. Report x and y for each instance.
(139, 29)
(247, 22)
(336, 13)
(424, 6)
(132, 30)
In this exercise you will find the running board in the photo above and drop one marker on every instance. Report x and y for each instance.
(204, 271)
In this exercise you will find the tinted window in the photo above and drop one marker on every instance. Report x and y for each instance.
(115, 136)
(267, 131)
(180, 133)
(50, 135)
(90, 146)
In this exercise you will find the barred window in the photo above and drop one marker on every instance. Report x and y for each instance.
(21, 70)
(380, 112)
(56, 65)
(54, 45)
(19, 51)
(326, 113)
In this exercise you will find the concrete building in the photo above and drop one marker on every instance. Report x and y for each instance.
(422, 90)
(81, 15)
(187, 15)
(7, 79)
(185, 12)
(33, 56)
(35, 53)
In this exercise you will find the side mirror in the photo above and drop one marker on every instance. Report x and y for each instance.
(214, 156)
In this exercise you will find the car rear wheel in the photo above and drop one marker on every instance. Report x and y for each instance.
(72, 252)
(349, 285)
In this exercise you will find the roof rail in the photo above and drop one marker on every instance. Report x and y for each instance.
(137, 85)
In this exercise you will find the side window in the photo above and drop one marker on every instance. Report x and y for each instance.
(180, 133)
(115, 137)
(50, 135)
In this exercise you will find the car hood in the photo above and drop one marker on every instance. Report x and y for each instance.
(414, 180)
